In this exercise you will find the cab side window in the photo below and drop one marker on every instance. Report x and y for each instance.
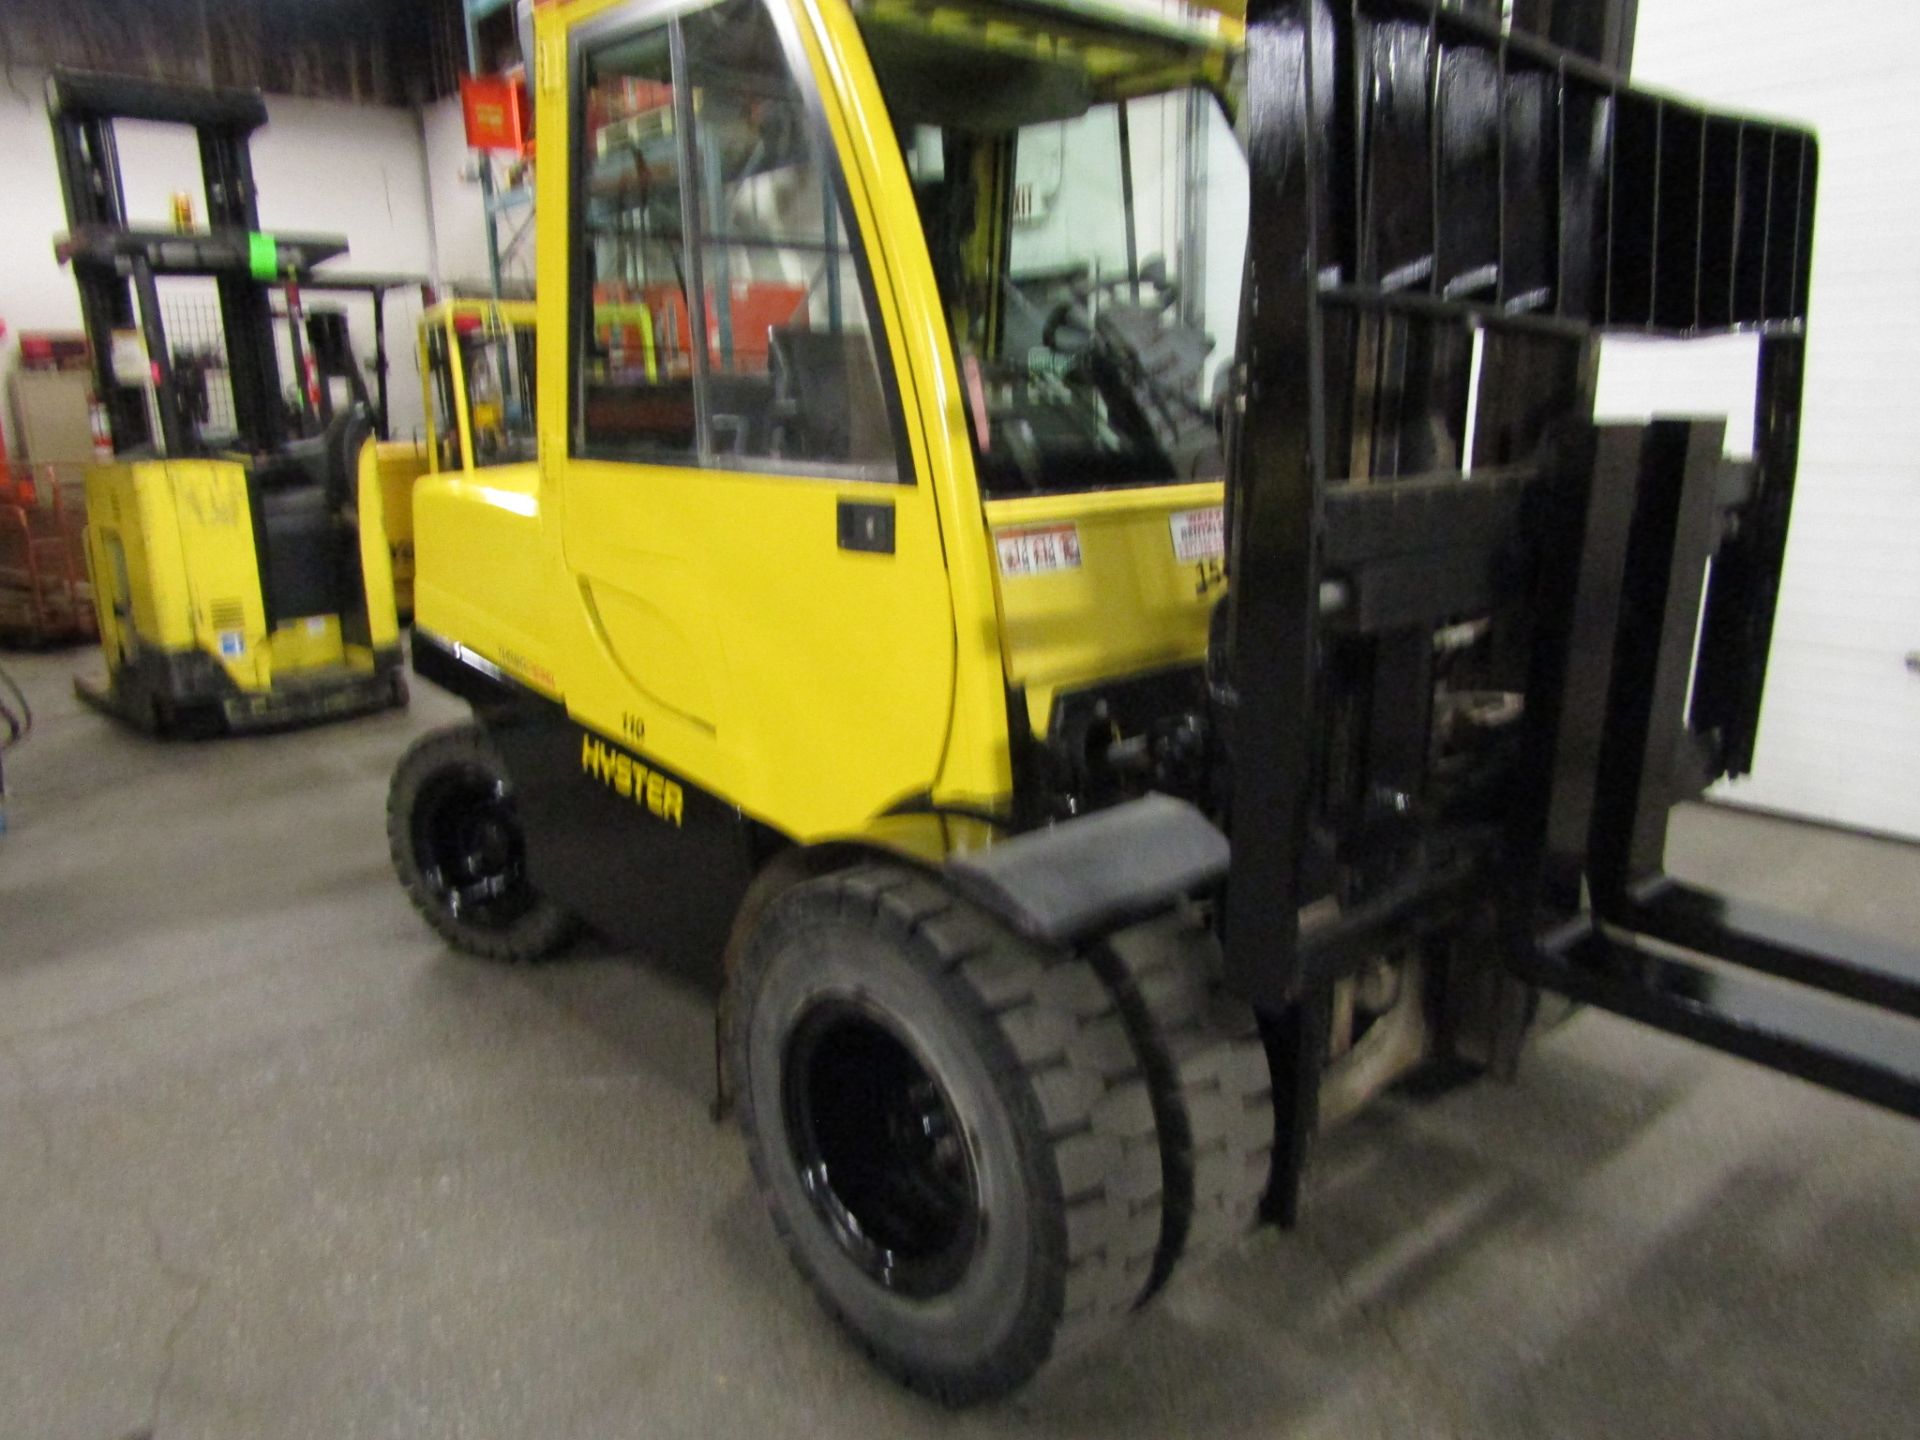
(702, 174)
(635, 393)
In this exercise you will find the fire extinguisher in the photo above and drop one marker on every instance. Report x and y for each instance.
(102, 430)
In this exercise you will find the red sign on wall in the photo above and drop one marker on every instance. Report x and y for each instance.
(495, 109)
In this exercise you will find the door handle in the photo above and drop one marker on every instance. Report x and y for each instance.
(867, 526)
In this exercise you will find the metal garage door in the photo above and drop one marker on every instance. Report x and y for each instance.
(1840, 731)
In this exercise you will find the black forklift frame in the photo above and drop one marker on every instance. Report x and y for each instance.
(1446, 214)
(111, 261)
(116, 264)
(335, 359)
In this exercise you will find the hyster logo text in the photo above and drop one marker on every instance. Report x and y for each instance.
(626, 776)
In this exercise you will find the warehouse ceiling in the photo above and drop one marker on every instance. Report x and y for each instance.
(392, 52)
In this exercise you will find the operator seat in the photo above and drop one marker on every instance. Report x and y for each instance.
(305, 530)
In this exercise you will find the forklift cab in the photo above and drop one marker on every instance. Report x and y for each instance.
(477, 358)
(477, 361)
(859, 389)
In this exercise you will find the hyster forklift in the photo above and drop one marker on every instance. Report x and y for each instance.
(1103, 715)
(241, 575)
(477, 375)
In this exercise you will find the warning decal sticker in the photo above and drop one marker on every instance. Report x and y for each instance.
(1199, 534)
(1038, 549)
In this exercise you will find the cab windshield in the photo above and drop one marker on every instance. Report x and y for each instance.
(1084, 200)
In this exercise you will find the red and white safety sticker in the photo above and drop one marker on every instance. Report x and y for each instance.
(1038, 549)
(1199, 534)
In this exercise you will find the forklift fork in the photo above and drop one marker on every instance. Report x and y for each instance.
(1787, 991)
(1446, 215)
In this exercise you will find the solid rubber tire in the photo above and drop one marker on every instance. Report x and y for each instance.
(1211, 1081)
(543, 931)
(1029, 1046)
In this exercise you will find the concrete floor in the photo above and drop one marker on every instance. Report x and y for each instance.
(274, 1163)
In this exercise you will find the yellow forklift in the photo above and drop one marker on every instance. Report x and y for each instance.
(477, 363)
(241, 574)
(1107, 696)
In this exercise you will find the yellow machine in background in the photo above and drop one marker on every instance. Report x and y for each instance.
(476, 371)
(240, 568)
(235, 593)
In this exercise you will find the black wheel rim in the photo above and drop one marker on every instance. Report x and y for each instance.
(467, 843)
(880, 1150)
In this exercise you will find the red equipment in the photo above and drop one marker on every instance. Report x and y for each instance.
(496, 113)
(45, 595)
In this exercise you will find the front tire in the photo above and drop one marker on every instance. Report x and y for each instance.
(949, 1127)
(456, 843)
(1212, 1088)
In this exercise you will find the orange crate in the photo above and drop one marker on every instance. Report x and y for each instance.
(45, 596)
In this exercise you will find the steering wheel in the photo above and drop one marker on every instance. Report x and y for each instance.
(1068, 329)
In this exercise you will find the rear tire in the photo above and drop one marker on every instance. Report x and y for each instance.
(455, 838)
(949, 1127)
(1211, 1082)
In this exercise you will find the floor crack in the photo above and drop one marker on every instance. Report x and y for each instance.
(196, 1284)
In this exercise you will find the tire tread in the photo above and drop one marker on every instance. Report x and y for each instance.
(1211, 1083)
(1066, 1062)
(542, 932)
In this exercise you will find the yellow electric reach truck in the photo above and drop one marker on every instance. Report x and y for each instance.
(240, 566)
(1069, 559)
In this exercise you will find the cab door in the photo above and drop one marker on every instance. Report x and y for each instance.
(758, 571)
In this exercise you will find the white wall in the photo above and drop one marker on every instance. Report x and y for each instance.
(322, 166)
(1840, 730)
(1077, 163)
(459, 220)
